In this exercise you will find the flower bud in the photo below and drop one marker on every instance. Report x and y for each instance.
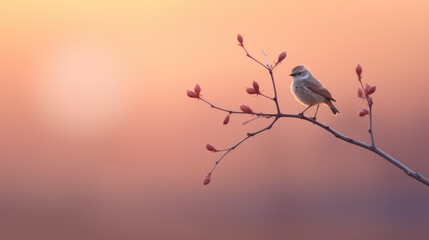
(240, 39)
(255, 86)
(197, 89)
(366, 88)
(250, 90)
(281, 57)
(360, 93)
(363, 112)
(191, 94)
(226, 120)
(246, 109)
(371, 90)
(359, 70)
(211, 148)
(207, 179)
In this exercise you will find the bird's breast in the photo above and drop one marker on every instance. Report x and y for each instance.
(304, 95)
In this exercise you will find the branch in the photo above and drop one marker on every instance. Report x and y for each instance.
(254, 59)
(270, 71)
(275, 91)
(249, 135)
(416, 175)
(363, 92)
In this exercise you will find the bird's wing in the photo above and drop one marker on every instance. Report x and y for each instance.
(321, 91)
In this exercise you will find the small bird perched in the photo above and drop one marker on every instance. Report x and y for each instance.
(309, 91)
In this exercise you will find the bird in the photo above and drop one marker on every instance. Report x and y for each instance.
(309, 91)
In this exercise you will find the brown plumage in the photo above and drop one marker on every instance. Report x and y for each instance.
(309, 91)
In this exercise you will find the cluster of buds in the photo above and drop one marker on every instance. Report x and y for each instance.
(367, 91)
(364, 92)
(195, 93)
(254, 89)
(280, 58)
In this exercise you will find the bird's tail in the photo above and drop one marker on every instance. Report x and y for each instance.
(334, 110)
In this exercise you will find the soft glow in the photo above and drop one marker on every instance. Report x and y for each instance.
(117, 73)
(83, 87)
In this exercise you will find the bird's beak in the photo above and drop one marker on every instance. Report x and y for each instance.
(292, 75)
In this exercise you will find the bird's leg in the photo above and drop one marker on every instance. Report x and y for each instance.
(317, 109)
(302, 113)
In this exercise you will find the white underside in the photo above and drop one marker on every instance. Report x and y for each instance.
(304, 95)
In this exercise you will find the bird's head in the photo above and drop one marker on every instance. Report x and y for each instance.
(300, 73)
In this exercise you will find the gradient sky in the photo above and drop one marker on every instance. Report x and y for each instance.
(99, 141)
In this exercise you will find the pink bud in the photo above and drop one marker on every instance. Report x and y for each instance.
(240, 39)
(197, 89)
(211, 148)
(371, 90)
(366, 88)
(359, 70)
(281, 57)
(256, 86)
(360, 93)
(191, 94)
(250, 90)
(246, 109)
(226, 120)
(207, 179)
(363, 112)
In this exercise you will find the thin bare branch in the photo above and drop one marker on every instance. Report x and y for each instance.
(249, 135)
(371, 129)
(263, 95)
(254, 59)
(369, 102)
(278, 115)
(335, 133)
(275, 99)
(369, 147)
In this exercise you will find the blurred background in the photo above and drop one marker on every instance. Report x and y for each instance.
(98, 139)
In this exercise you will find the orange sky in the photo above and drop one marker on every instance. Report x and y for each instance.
(98, 139)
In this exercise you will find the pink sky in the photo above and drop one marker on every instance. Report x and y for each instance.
(99, 141)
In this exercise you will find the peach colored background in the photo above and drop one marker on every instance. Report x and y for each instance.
(99, 141)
